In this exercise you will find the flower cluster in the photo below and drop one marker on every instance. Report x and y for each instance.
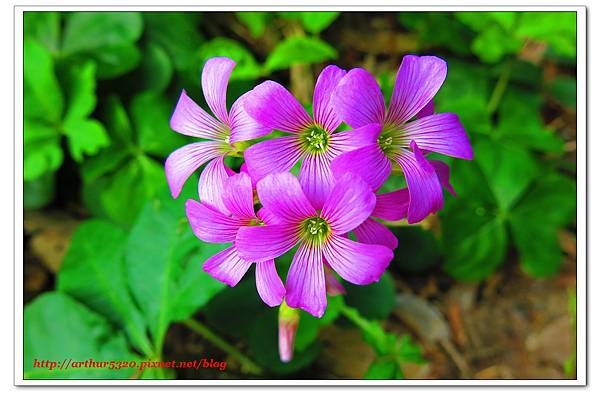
(264, 210)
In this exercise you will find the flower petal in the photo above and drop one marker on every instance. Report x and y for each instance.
(392, 206)
(325, 114)
(351, 202)
(215, 77)
(243, 127)
(262, 243)
(349, 140)
(417, 82)
(369, 162)
(355, 262)
(305, 283)
(238, 197)
(427, 110)
(272, 156)
(442, 133)
(272, 106)
(211, 225)
(373, 232)
(283, 197)
(443, 172)
(227, 266)
(332, 284)
(184, 161)
(190, 119)
(267, 217)
(212, 184)
(358, 99)
(316, 178)
(423, 184)
(268, 284)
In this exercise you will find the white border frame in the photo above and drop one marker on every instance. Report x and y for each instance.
(337, 5)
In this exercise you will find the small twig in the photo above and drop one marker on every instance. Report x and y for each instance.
(222, 344)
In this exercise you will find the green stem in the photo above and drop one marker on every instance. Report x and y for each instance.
(222, 344)
(500, 88)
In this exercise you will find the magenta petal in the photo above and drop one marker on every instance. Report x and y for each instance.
(283, 197)
(417, 82)
(267, 217)
(443, 172)
(262, 243)
(211, 225)
(215, 77)
(349, 140)
(351, 202)
(358, 99)
(316, 178)
(392, 206)
(212, 183)
(305, 283)
(332, 285)
(227, 266)
(184, 161)
(272, 156)
(268, 284)
(355, 262)
(373, 232)
(427, 110)
(325, 114)
(238, 197)
(423, 184)
(243, 127)
(442, 133)
(190, 119)
(272, 106)
(369, 162)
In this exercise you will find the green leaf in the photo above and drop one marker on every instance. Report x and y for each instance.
(97, 31)
(150, 113)
(233, 311)
(494, 43)
(564, 90)
(80, 90)
(382, 368)
(246, 67)
(157, 69)
(85, 137)
(38, 192)
(117, 122)
(474, 238)
(43, 27)
(297, 50)
(373, 301)
(42, 97)
(106, 37)
(508, 169)
(559, 29)
(42, 151)
(93, 272)
(409, 352)
(58, 328)
(177, 33)
(130, 188)
(164, 263)
(520, 122)
(549, 205)
(316, 21)
(420, 249)
(256, 22)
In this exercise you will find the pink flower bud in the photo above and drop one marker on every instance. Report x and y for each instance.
(288, 324)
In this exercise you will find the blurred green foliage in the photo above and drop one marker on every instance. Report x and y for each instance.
(99, 89)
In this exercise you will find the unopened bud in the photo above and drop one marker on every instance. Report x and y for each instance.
(288, 324)
(332, 284)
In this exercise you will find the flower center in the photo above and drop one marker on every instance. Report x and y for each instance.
(389, 139)
(315, 230)
(315, 139)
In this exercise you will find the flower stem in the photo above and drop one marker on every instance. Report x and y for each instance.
(500, 87)
(222, 344)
